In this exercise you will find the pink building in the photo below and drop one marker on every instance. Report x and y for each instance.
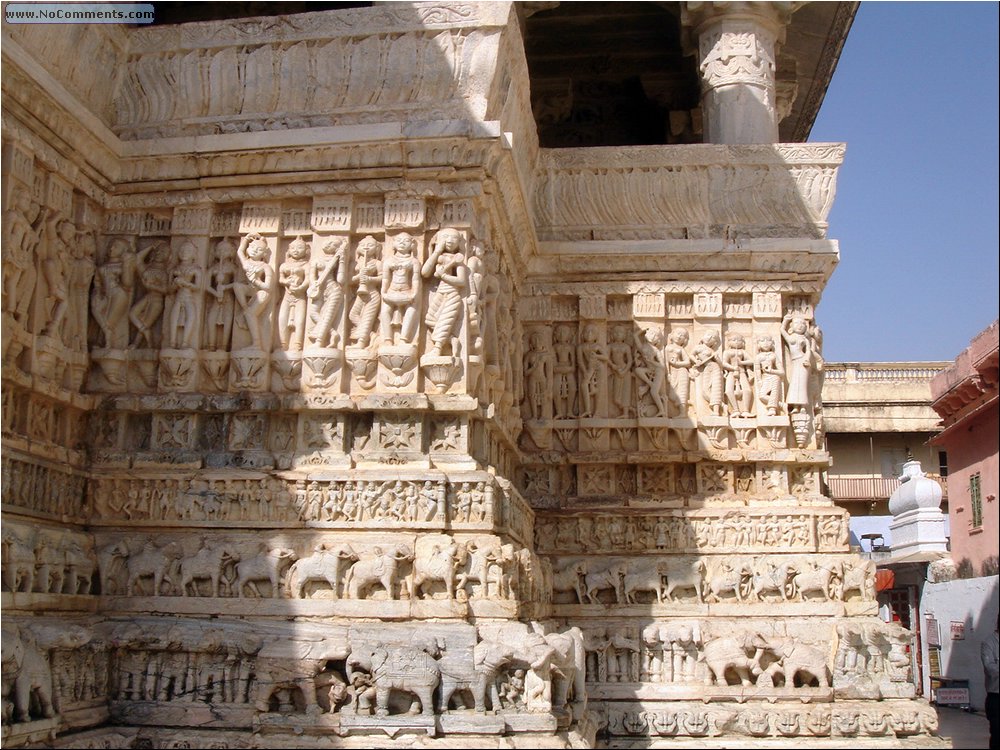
(965, 395)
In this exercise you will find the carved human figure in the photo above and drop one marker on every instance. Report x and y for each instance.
(592, 360)
(221, 277)
(795, 332)
(768, 375)
(446, 263)
(22, 232)
(679, 393)
(706, 358)
(564, 371)
(367, 281)
(81, 273)
(537, 375)
(254, 287)
(818, 368)
(620, 361)
(474, 302)
(327, 276)
(187, 282)
(649, 367)
(738, 373)
(292, 277)
(401, 278)
(155, 280)
(490, 293)
(112, 293)
(58, 235)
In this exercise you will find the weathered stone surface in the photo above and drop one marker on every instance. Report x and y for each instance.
(338, 413)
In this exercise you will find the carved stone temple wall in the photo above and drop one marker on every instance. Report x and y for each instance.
(337, 413)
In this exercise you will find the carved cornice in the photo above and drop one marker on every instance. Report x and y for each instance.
(687, 192)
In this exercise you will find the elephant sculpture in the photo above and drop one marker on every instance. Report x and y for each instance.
(557, 671)
(403, 668)
(489, 658)
(27, 669)
(296, 666)
(733, 653)
(798, 660)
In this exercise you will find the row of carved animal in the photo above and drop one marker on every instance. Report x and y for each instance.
(687, 652)
(680, 531)
(732, 579)
(47, 561)
(437, 567)
(514, 667)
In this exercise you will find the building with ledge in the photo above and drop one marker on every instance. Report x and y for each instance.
(435, 373)
(965, 396)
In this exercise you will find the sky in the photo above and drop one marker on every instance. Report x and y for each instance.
(914, 97)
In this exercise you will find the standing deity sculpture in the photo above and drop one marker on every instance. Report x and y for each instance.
(254, 287)
(444, 313)
(58, 235)
(327, 276)
(768, 375)
(649, 367)
(537, 376)
(706, 358)
(400, 291)
(620, 362)
(592, 359)
(81, 274)
(22, 232)
(292, 311)
(185, 312)
(680, 364)
(112, 294)
(738, 376)
(155, 281)
(795, 332)
(221, 277)
(565, 373)
(367, 281)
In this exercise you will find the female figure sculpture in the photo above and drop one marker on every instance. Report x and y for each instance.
(795, 332)
(401, 277)
(185, 313)
(292, 312)
(768, 375)
(327, 275)
(739, 394)
(220, 312)
(367, 297)
(649, 366)
(253, 291)
(593, 357)
(444, 314)
(148, 310)
(537, 376)
(565, 373)
(680, 370)
(112, 293)
(706, 358)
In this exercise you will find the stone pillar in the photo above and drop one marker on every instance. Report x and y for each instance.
(736, 45)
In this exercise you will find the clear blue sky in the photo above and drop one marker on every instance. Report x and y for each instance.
(915, 99)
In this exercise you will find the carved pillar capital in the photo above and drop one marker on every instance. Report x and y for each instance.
(736, 45)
